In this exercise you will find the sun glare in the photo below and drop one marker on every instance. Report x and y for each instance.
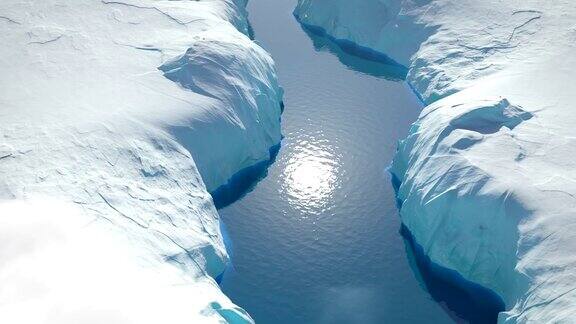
(310, 177)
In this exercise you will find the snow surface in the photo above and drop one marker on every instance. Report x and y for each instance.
(488, 182)
(124, 115)
(57, 269)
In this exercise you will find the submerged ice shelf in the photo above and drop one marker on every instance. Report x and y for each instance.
(486, 185)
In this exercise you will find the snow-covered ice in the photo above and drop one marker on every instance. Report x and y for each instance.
(57, 269)
(123, 115)
(488, 182)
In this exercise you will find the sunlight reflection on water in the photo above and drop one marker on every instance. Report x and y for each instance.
(310, 176)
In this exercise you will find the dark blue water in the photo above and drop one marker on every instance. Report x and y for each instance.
(318, 239)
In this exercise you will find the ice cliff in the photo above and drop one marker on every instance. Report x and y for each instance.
(486, 179)
(116, 120)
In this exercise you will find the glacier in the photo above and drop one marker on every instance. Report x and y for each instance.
(485, 179)
(117, 120)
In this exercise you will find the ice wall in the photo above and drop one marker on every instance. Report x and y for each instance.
(123, 114)
(391, 27)
(486, 182)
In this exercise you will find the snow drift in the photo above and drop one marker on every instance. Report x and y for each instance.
(123, 115)
(485, 177)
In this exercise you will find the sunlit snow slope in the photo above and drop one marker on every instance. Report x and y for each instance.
(488, 179)
(116, 119)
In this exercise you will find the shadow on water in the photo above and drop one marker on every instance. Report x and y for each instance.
(243, 181)
(464, 301)
(357, 58)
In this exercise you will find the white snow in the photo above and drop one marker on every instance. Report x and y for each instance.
(57, 269)
(123, 114)
(488, 175)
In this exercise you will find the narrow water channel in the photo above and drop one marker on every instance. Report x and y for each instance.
(317, 240)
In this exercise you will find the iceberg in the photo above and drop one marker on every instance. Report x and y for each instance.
(117, 120)
(485, 178)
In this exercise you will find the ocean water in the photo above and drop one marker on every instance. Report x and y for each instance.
(318, 238)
